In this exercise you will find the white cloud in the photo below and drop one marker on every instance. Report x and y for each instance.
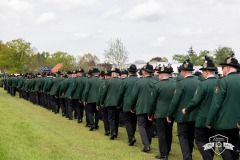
(152, 10)
(81, 36)
(159, 42)
(187, 32)
(112, 12)
(72, 4)
(46, 18)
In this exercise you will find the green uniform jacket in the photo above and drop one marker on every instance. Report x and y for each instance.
(81, 83)
(202, 100)
(143, 95)
(32, 83)
(9, 81)
(110, 93)
(38, 84)
(63, 85)
(156, 77)
(20, 82)
(26, 85)
(164, 95)
(92, 89)
(47, 84)
(70, 88)
(102, 86)
(14, 82)
(183, 94)
(224, 111)
(56, 86)
(126, 92)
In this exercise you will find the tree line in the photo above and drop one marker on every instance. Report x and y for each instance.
(18, 56)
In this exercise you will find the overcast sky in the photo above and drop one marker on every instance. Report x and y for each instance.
(148, 28)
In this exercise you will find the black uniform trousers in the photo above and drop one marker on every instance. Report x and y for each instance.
(93, 114)
(36, 95)
(63, 106)
(79, 108)
(113, 119)
(13, 91)
(69, 108)
(105, 119)
(130, 122)
(202, 136)
(164, 132)
(233, 137)
(55, 104)
(144, 126)
(186, 138)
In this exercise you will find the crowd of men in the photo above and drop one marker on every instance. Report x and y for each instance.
(202, 106)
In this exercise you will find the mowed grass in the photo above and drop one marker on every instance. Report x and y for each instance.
(30, 132)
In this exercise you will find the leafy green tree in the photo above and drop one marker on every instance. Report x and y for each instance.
(69, 61)
(221, 53)
(18, 55)
(88, 61)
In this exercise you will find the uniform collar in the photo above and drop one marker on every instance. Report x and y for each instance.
(190, 76)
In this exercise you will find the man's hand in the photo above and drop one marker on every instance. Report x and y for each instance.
(85, 103)
(238, 125)
(98, 108)
(169, 120)
(150, 118)
(209, 127)
(132, 111)
(184, 111)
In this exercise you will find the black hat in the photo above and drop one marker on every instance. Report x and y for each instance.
(132, 68)
(69, 72)
(208, 65)
(80, 70)
(216, 71)
(109, 73)
(58, 72)
(95, 70)
(65, 76)
(179, 68)
(148, 68)
(102, 73)
(170, 68)
(74, 72)
(187, 65)
(157, 67)
(124, 72)
(230, 61)
(116, 70)
(197, 73)
(89, 72)
(164, 69)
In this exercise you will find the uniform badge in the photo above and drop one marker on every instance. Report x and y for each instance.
(216, 90)
(196, 92)
(185, 65)
(205, 65)
(229, 61)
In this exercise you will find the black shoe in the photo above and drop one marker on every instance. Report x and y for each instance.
(162, 157)
(132, 141)
(107, 133)
(96, 127)
(114, 135)
(79, 120)
(145, 149)
(70, 118)
(91, 128)
(87, 125)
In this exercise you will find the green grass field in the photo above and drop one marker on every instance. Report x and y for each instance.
(30, 132)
